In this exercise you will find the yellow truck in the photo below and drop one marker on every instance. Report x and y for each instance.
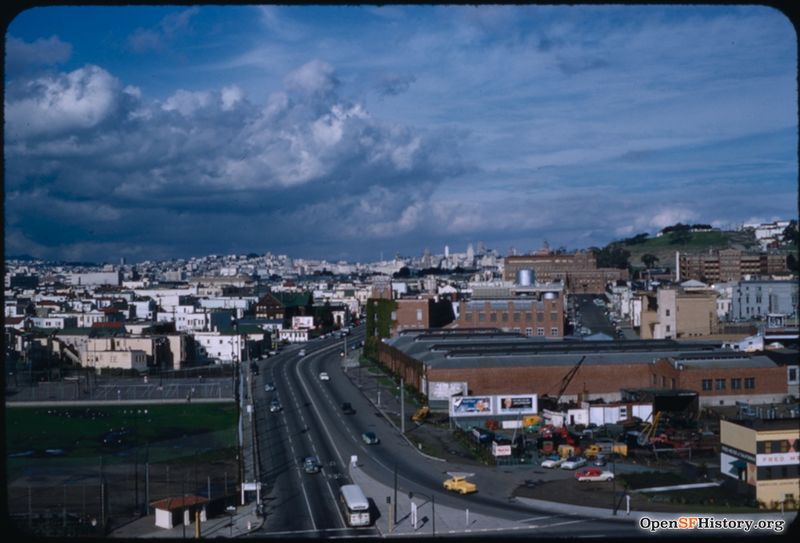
(459, 483)
(421, 413)
(605, 448)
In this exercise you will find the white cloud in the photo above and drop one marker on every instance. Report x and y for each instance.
(79, 100)
(187, 102)
(314, 77)
(230, 96)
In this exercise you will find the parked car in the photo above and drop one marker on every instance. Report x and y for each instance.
(323, 376)
(552, 461)
(311, 464)
(573, 462)
(600, 461)
(593, 474)
(275, 406)
(302, 352)
(460, 484)
(347, 409)
(370, 438)
(269, 387)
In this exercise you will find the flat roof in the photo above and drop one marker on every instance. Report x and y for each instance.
(769, 424)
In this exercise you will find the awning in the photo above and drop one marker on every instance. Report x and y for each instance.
(737, 466)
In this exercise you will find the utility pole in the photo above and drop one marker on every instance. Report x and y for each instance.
(395, 491)
(402, 407)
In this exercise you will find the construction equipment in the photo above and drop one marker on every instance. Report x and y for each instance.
(421, 414)
(567, 379)
(648, 430)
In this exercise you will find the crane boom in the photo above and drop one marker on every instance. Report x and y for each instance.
(568, 378)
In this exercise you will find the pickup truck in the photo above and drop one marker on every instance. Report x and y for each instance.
(460, 484)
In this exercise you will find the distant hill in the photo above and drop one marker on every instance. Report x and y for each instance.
(665, 246)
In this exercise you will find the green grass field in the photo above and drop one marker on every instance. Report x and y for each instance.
(84, 433)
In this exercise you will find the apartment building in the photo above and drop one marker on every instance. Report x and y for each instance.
(755, 299)
(728, 265)
(673, 313)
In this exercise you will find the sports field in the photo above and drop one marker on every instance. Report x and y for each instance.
(77, 435)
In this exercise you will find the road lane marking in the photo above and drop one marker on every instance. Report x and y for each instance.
(564, 523)
(540, 518)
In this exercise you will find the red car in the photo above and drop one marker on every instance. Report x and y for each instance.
(593, 474)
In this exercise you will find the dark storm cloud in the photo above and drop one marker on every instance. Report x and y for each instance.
(102, 162)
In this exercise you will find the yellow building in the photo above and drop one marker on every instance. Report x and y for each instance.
(763, 454)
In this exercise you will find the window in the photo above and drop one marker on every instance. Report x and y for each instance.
(528, 317)
(493, 317)
(505, 317)
(481, 317)
(663, 382)
(539, 317)
(468, 317)
(667, 312)
(553, 317)
(720, 384)
(516, 316)
(668, 328)
(706, 384)
(554, 331)
(792, 375)
(529, 332)
(736, 383)
(750, 382)
(419, 314)
(394, 315)
(540, 331)
(673, 382)
(516, 330)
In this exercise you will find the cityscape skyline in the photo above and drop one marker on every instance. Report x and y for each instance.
(180, 131)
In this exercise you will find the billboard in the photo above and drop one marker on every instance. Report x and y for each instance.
(470, 406)
(442, 390)
(517, 404)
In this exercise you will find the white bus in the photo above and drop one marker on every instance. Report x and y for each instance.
(355, 505)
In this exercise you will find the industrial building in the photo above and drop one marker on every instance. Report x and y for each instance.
(440, 363)
(578, 271)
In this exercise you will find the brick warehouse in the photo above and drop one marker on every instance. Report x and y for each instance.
(492, 362)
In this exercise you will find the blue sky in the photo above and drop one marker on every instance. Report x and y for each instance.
(343, 132)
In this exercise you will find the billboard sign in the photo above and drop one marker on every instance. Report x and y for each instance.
(442, 390)
(470, 406)
(517, 404)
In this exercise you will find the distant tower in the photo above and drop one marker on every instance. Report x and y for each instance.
(122, 261)
(446, 251)
(470, 253)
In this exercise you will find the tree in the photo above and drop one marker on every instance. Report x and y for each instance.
(612, 256)
(649, 260)
(402, 272)
(791, 235)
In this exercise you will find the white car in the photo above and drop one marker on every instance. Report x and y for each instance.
(593, 474)
(552, 462)
(324, 376)
(573, 462)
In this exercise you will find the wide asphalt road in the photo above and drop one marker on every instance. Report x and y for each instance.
(313, 423)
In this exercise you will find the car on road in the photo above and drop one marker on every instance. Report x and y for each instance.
(275, 406)
(573, 462)
(370, 438)
(302, 352)
(269, 387)
(323, 376)
(552, 461)
(347, 409)
(311, 464)
(459, 483)
(593, 474)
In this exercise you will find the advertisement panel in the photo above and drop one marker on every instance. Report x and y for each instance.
(500, 450)
(778, 459)
(470, 406)
(516, 404)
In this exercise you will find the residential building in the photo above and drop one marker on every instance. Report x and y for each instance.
(678, 313)
(755, 299)
(728, 265)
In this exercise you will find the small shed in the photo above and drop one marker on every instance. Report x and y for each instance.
(169, 510)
